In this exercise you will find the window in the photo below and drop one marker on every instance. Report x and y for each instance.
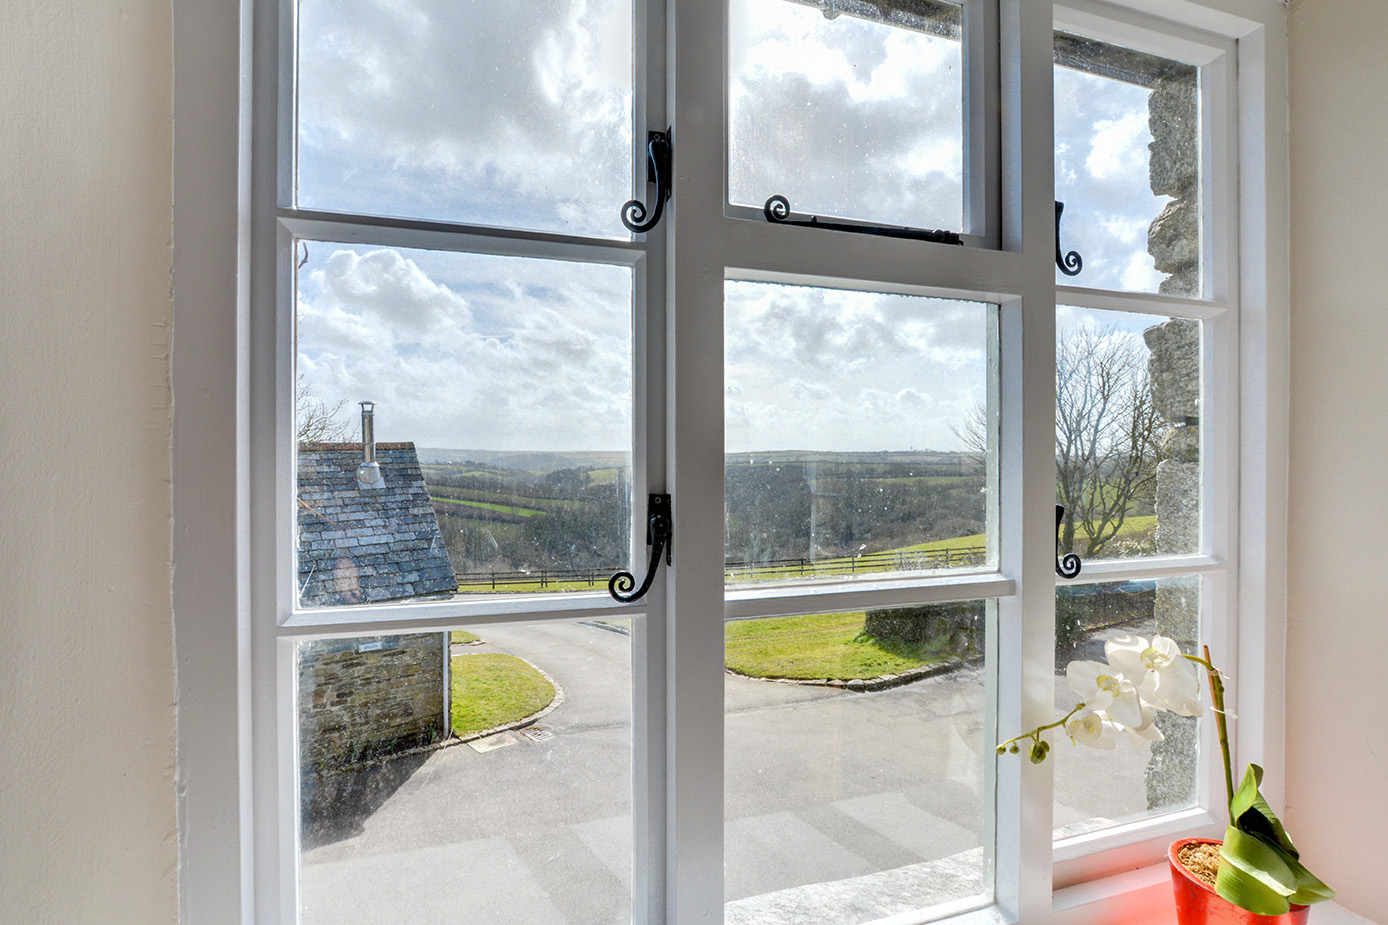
(463, 376)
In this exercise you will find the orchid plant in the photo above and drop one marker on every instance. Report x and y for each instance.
(1260, 870)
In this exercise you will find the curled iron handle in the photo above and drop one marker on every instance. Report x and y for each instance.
(1067, 566)
(660, 527)
(659, 152)
(1070, 264)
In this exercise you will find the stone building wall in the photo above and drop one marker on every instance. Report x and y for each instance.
(361, 699)
(1174, 370)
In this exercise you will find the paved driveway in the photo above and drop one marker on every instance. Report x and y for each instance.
(823, 787)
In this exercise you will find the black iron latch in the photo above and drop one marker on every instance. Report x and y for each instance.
(660, 152)
(660, 529)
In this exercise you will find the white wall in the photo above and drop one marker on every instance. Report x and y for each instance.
(1337, 689)
(87, 817)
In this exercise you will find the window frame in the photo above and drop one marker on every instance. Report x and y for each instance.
(230, 826)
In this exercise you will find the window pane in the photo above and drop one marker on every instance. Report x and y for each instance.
(856, 790)
(426, 801)
(1097, 788)
(1128, 402)
(1127, 167)
(857, 432)
(468, 111)
(502, 423)
(848, 108)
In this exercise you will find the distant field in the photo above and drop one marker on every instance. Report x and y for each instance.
(490, 506)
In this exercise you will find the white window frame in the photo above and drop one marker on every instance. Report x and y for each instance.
(232, 738)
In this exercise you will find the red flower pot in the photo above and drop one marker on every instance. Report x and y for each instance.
(1198, 904)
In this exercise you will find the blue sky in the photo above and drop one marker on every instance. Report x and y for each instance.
(466, 111)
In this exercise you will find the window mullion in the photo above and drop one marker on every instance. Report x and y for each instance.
(1026, 689)
(694, 472)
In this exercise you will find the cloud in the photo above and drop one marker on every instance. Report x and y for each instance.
(468, 111)
(844, 117)
(471, 351)
(1101, 168)
(826, 369)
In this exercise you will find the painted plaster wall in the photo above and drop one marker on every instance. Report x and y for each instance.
(1337, 718)
(87, 808)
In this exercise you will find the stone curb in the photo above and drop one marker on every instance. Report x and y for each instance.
(880, 683)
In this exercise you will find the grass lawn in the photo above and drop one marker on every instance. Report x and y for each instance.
(490, 689)
(816, 646)
(463, 637)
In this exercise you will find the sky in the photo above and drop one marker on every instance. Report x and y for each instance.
(463, 110)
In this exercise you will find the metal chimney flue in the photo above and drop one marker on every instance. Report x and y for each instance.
(369, 472)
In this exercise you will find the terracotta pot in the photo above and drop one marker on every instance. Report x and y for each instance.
(1198, 904)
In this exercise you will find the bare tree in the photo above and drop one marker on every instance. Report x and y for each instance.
(315, 422)
(1106, 435)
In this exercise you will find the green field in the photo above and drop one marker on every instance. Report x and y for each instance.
(490, 506)
(819, 646)
(491, 689)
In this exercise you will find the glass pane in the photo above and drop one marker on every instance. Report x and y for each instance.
(1127, 167)
(1128, 402)
(856, 790)
(467, 111)
(857, 432)
(1096, 788)
(501, 426)
(500, 794)
(848, 108)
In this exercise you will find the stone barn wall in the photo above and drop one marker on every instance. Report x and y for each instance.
(358, 702)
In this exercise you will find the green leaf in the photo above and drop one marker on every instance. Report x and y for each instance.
(1246, 893)
(1309, 887)
(1249, 812)
(1253, 874)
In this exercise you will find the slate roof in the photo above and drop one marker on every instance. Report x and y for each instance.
(363, 545)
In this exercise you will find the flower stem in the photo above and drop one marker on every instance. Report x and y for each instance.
(1035, 734)
(1217, 700)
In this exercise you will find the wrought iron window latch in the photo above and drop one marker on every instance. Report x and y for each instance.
(1067, 566)
(660, 528)
(777, 211)
(1070, 264)
(660, 151)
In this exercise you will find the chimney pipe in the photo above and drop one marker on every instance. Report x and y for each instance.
(369, 472)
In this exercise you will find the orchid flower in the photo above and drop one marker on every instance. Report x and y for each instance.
(1106, 689)
(1090, 729)
(1165, 678)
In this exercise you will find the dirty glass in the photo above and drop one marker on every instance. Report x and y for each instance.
(855, 755)
(858, 436)
(1096, 788)
(848, 108)
(499, 397)
(479, 775)
(1128, 434)
(1127, 167)
(467, 111)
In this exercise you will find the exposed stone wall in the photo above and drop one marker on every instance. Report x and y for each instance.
(1173, 240)
(958, 625)
(358, 701)
(1174, 370)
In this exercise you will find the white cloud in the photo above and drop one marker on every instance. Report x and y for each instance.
(824, 369)
(469, 351)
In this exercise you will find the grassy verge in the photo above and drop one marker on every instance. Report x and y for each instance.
(463, 637)
(818, 646)
(490, 689)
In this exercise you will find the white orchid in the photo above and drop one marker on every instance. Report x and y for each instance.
(1147, 732)
(1165, 679)
(1103, 688)
(1090, 728)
